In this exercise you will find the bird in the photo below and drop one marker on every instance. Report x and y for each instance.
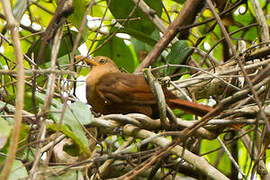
(110, 91)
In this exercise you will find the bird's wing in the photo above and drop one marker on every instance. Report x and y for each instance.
(125, 88)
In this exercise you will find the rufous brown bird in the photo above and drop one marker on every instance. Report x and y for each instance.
(110, 91)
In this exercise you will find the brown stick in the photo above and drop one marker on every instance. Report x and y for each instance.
(13, 26)
(189, 10)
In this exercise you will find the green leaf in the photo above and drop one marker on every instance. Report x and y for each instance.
(141, 44)
(179, 53)
(245, 159)
(224, 164)
(19, 8)
(251, 34)
(5, 129)
(80, 145)
(141, 25)
(117, 50)
(247, 19)
(72, 121)
(18, 170)
(65, 47)
(98, 9)
(140, 35)
(43, 17)
(78, 14)
(82, 112)
(75, 115)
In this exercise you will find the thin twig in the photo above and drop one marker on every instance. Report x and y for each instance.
(231, 157)
(39, 72)
(14, 27)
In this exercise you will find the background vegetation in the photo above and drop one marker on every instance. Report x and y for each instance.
(47, 130)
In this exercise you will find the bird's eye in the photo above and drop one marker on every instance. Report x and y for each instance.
(102, 61)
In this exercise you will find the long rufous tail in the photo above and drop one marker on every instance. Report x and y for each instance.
(191, 107)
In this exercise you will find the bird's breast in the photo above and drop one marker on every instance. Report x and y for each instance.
(94, 99)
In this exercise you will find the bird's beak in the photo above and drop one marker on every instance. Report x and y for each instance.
(88, 61)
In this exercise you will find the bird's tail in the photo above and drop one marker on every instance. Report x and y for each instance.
(190, 107)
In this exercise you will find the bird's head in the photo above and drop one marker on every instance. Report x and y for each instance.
(97, 61)
(100, 63)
